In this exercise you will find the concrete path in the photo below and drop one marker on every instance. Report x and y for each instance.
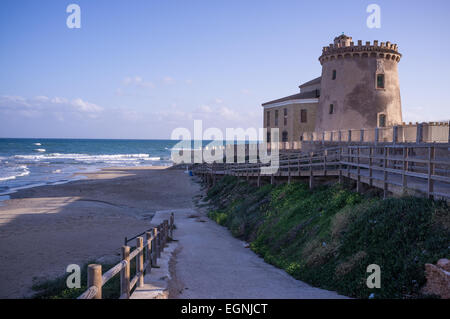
(210, 263)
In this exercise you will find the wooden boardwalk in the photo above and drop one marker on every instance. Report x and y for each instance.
(418, 169)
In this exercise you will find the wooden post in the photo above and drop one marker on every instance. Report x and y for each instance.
(311, 178)
(95, 279)
(405, 168)
(349, 159)
(358, 170)
(155, 247)
(395, 134)
(125, 274)
(140, 261)
(370, 166)
(149, 251)
(289, 169)
(166, 231)
(385, 161)
(361, 136)
(448, 132)
(325, 153)
(340, 164)
(349, 137)
(419, 133)
(159, 240)
(431, 157)
(172, 223)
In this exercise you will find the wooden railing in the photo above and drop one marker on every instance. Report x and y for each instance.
(146, 255)
(394, 168)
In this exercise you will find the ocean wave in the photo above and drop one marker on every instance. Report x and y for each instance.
(86, 158)
(40, 150)
(9, 173)
(37, 144)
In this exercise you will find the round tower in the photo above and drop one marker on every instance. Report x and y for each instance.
(359, 85)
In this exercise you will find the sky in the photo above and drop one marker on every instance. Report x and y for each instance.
(141, 68)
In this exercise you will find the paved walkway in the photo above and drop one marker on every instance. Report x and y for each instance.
(210, 263)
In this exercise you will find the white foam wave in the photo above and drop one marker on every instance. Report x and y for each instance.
(37, 144)
(40, 150)
(9, 173)
(86, 158)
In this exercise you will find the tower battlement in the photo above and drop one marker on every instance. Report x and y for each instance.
(344, 47)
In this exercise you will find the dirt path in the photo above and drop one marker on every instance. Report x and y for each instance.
(210, 263)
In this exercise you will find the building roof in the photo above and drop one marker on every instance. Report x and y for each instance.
(312, 82)
(299, 96)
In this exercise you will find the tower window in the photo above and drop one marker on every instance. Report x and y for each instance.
(268, 137)
(284, 137)
(303, 116)
(276, 117)
(334, 75)
(268, 118)
(380, 81)
(331, 111)
(382, 120)
(285, 117)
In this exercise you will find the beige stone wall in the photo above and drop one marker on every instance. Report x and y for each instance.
(293, 126)
(357, 102)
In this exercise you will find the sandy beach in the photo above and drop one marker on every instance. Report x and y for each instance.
(44, 229)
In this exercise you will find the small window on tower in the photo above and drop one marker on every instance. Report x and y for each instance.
(331, 109)
(334, 75)
(380, 81)
(382, 120)
(285, 117)
(276, 117)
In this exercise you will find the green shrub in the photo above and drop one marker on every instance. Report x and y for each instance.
(328, 236)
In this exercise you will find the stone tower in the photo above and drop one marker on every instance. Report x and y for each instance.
(359, 85)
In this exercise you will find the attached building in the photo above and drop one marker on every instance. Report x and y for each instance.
(295, 114)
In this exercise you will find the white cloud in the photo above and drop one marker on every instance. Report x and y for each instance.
(84, 106)
(45, 106)
(137, 81)
(168, 80)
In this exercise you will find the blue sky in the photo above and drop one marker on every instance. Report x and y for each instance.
(140, 68)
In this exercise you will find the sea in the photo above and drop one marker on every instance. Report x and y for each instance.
(26, 163)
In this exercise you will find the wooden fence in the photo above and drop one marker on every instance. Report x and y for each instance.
(146, 253)
(423, 168)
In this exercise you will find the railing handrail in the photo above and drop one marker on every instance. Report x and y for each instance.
(420, 157)
(154, 244)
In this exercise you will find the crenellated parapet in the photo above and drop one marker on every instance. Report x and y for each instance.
(344, 48)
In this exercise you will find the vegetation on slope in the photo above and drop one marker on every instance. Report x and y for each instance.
(328, 236)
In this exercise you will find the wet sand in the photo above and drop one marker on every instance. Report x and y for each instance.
(44, 229)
